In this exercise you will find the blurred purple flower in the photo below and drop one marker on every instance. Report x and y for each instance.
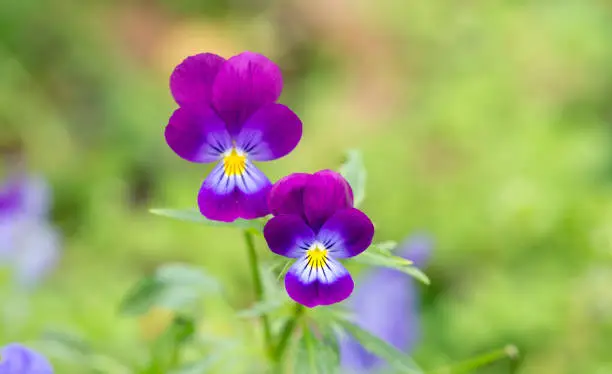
(18, 359)
(315, 223)
(29, 245)
(386, 304)
(228, 114)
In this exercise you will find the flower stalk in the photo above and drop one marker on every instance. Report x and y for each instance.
(258, 288)
(287, 332)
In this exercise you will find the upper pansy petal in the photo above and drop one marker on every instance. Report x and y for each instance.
(226, 196)
(287, 194)
(325, 193)
(271, 133)
(347, 233)
(288, 235)
(245, 83)
(197, 135)
(325, 286)
(192, 80)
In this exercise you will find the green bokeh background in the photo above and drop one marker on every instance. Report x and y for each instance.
(483, 123)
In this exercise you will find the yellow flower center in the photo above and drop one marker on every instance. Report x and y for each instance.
(316, 256)
(234, 163)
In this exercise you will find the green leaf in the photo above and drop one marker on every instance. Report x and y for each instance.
(354, 172)
(400, 362)
(73, 350)
(221, 350)
(173, 286)
(316, 356)
(386, 247)
(376, 257)
(193, 215)
(261, 308)
(166, 350)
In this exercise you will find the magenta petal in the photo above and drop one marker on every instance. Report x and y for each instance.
(271, 133)
(192, 80)
(310, 287)
(288, 235)
(347, 233)
(197, 135)
(228, 197)
(325, 193)
(245, 83)
(286, 196)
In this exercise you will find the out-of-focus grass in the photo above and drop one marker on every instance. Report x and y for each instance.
(486, 125)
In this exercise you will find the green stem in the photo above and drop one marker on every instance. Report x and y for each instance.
(287, 332)
(258, 286)
(509, 351)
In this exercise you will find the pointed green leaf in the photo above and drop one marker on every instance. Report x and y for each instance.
(261, 308)
(316, 356)
(172, 286)
(193, 215)
(354, 172)
(375, 257)
(400, 362)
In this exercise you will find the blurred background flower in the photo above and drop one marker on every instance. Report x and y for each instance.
(18, 359)
(29, 245)
(386, 303)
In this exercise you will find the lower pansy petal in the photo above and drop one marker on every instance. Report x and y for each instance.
(271, 133)
(228, 194)
(319, 284)
(197, 135)
(347, 233)
(288, 235)
(217, 200)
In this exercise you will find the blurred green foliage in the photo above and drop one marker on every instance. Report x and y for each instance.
(486, 124)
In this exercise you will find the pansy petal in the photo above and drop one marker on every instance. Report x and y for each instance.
(325, 193)
(288, 235)
(192, 80)
(216, 199)
(245, 83)
(347, 233)
(311, 286)
(286, 196)
(226, 197)
(197, 135)
(271, 133)
(252, 189)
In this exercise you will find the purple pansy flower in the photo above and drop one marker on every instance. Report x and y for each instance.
(29, 245)
(228, 114)
(18, 359)
(315, 223)
(385, 304)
